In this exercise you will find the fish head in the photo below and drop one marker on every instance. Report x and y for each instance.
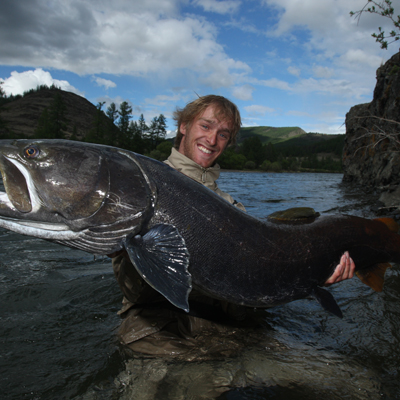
(47, 181)
(60, 190)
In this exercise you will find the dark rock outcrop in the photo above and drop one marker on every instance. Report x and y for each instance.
(371, 155)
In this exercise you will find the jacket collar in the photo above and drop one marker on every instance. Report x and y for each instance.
(205, 176)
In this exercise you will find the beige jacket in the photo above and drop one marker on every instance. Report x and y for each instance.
(205, 176)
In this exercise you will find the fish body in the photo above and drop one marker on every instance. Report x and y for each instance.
(177, 233)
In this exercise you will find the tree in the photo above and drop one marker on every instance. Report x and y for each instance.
(153, 131)
(253, 150)
(157, 129)
(57, 116)
(43, 129)
(74, 135)
(143, 128)
(137, 143)
(270, 153)
(229, 159)
(125, 114)
(52, 123)
(385, 9)
(97, 134)
(165, 148)
(162, 127)
(112, 112)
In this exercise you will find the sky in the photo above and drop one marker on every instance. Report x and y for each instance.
(282, 62)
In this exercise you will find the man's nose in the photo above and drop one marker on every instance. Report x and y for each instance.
(212, 137)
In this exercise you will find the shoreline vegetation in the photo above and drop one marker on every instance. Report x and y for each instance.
(261, 149)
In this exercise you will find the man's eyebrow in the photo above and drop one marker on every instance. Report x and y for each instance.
(210, 121)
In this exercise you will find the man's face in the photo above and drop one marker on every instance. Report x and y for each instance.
(206, 139)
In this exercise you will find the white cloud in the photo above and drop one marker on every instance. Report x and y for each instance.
(220, 7)
(294, 71)
(357, 56)
(322, 72)
(321, 17)
(258, 110)
(132, 38)
(20, 82)
(330, 129)
(344, 88)
(162, 100)
(295, 113)
(275, 83)
(104, 82)
(328, 25)
(244, 92)
(338, 87)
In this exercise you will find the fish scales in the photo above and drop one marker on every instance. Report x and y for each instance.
(177, 233)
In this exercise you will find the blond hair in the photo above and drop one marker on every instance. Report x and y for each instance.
(224, 109)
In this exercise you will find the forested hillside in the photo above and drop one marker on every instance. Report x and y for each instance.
(48, 112)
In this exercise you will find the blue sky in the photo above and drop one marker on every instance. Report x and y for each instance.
(283, 62)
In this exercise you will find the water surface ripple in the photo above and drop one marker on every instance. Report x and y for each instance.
(58, 319)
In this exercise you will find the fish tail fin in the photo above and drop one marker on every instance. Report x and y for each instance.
(374, 277)
(389, 222)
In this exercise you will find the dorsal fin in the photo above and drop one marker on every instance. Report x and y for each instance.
(389, 222)
(374, 277)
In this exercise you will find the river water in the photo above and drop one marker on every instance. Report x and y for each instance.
(58, 318)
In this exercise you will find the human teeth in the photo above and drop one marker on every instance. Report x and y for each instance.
(204, 150)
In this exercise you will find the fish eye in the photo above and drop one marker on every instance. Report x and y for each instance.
(31, 152)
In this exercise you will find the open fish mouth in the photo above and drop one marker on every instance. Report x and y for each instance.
(17, 194)
(20, 204)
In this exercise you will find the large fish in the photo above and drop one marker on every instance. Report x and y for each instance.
(178, 233)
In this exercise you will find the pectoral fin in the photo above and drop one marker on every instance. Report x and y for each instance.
(162, 259)
(374, 277)
(327, 301)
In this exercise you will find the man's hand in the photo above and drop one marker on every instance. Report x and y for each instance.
(345, 270)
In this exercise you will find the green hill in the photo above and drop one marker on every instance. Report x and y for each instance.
(286, 148)
(263, 147)
(270, 134)
(294, 141)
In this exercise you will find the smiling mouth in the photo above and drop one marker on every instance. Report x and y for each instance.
(204, 150)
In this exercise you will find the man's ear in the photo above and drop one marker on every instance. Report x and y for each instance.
(182, 128)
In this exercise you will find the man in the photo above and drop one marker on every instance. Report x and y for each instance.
(206, 127)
